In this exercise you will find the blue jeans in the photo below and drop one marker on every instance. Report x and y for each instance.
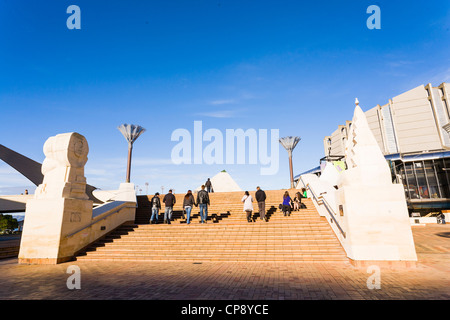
(203, 211)
(155, 212)
(168, 213)
(188, 214)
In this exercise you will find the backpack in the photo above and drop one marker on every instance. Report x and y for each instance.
(203, 196)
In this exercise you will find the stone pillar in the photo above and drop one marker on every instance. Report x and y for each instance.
(60, 205)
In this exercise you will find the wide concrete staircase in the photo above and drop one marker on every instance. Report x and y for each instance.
(227, 236)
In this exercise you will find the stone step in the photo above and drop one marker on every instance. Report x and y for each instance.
(225, 258)
(252, 227)
(214, 249)
(235, 235)
(178, 220)
(187, 252)
(238, 240)
(211, 237)
(235, 245)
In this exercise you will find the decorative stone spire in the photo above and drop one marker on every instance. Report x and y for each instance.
(363, 154)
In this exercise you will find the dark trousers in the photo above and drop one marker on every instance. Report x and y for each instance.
(286, 209)
(262, 209)
(249, 215)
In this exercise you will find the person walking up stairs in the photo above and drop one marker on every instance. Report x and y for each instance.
(248, 205)
(203, 202)
(260, 197)
(169, 201)
(156, 206)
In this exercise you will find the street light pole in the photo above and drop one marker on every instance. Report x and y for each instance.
(130, 149)
(131, 132)
(289, 143)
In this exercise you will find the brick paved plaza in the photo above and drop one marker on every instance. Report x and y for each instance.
(430, 279)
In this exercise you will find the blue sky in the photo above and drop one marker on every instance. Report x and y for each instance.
(289, 65)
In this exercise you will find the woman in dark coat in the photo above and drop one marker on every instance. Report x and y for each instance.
(188, 203)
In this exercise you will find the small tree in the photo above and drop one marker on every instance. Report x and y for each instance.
(8, 222)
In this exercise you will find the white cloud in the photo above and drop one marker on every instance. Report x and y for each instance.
(402, 63)
(220, 102)
(151, 162)
(219, 114)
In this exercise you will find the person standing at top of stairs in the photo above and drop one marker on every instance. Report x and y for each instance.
(208, 185)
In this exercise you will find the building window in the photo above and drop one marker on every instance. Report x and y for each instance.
(429, 179)
(430, 175)
(442, 167)
(411, 181)
(400, 168)
(421, 180)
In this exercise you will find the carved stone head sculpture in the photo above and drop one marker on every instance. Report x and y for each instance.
(63, 167)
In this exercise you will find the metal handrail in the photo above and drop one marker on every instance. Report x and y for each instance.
(102, 218)
(326, 205)
(326, 202)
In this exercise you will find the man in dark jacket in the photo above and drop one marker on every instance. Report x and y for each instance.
(169, 201)
(208, 185)
(203, 202)
(260, 197)
(155, 205)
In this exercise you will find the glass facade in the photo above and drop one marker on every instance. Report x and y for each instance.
(425, 179)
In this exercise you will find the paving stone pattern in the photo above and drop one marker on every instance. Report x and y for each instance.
(217, 280)
(299, 259)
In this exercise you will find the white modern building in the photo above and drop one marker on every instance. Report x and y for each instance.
(413, 132)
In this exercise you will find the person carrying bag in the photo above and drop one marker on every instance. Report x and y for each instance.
(248, 205)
